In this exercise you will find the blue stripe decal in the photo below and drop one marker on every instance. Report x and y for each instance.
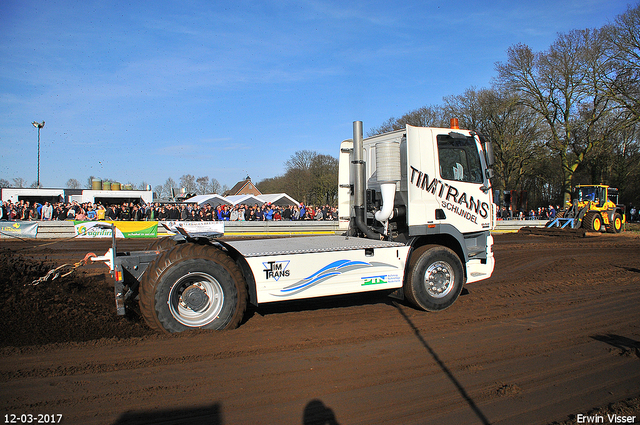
(325, 273)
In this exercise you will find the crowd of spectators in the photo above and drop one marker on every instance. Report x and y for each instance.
(549, 213)
(542, 213)
(129, 211)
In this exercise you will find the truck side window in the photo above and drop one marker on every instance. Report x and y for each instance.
(459, 159)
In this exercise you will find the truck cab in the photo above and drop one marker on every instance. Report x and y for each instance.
(435, 184)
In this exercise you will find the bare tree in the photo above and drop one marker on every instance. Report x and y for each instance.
(167, 189)
(513, 129)
(560, 85)
(188, 183)
(426, 116)
(623, 79)
(19, 182)
(214, 187)
(4, 183)
(301, 160)
(311, 178)
(73, 184)
(159, 191)
(324, 180)
(202, 185)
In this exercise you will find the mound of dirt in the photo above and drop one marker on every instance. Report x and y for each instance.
(76, 308)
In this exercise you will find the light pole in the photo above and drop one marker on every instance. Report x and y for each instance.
(38, 125)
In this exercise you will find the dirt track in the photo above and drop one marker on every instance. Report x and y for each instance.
(553, 334)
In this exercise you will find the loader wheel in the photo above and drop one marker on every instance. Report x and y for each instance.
(435, 278)
(192, 287)
(593, 221)
(616, 224)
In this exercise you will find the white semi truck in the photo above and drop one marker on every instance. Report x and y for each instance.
(416, 209)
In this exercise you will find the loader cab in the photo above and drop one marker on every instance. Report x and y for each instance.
(603, 196)
(596, 194)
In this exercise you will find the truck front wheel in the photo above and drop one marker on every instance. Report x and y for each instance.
(435, 278)
(192, 287)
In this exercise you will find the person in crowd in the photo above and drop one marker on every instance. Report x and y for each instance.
(125, 212)
(47, 211)
(234, 213)
(286, 214)
(174, 212)
(208, 213)
(633, 212)
(162, 214)
(268, 212)
(112, 213)
(91, 213)
(136, 214)
(81, 214)
(260, 213)
(33, 212)
(72, 211)
(100, 212)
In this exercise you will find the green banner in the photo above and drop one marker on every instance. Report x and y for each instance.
(124, 229)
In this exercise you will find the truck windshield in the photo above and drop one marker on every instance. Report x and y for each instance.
(459, 159)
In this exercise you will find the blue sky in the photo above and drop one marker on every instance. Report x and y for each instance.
(142, 91)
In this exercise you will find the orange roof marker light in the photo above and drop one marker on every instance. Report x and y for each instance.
(454, 124)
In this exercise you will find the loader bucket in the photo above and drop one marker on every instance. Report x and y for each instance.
(553, 231)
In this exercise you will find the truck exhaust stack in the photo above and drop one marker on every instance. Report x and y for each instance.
(359, 183)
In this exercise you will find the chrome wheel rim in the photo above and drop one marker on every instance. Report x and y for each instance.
(439, 279)
(196, 299)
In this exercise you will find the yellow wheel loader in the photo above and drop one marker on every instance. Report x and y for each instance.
(594, 208)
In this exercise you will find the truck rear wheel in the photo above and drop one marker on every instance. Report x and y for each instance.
(161, 244)
(435, 278)
(192, 287)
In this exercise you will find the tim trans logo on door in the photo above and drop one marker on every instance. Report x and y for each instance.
(275, 269)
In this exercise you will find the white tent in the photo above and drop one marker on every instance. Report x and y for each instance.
(212, 199)
(245, 199)
(281, 199)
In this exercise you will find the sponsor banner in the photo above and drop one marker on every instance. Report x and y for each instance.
(20, 229)
(195, 228)
(124, 229)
